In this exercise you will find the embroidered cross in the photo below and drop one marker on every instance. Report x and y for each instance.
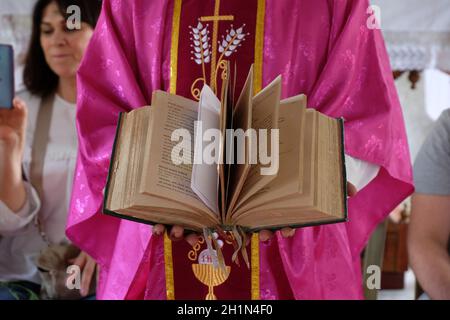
(216, 18)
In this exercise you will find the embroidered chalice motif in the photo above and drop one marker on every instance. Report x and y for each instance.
(207, 273)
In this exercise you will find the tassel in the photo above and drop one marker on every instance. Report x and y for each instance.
(216, 255)
(232, 239)
(207, 234)
(244, 247)
(219, 255)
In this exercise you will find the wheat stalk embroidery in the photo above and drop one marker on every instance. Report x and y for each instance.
(202, 48)
(231, 41)
(201, 53)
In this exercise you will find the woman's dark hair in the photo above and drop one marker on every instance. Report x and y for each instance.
(38, 78)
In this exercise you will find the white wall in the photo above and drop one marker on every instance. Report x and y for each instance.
(423, 105)
(15, 22)
(16, 6)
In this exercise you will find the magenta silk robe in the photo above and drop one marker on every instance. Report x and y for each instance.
(322, 48)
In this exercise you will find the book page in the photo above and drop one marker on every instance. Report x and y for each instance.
(205, 177)
(330, 180)
(265, 113)
(226, 119)
(127, 164)
(160, 210)
(305, 199)
(240, 144)
(118, 165)
(139, 119)
(288, 181)
(327, 194)
(164, 177)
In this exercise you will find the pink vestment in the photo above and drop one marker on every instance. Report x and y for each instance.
(323, 49)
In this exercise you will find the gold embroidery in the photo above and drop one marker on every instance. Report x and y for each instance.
(230, 238)
(255, 267)
(168, 259)
(211, 277)
(215, 18)
(259, 46)
(174, 46)
(204, 53)
(193, 254)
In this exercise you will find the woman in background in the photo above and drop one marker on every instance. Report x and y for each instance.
(32, 216)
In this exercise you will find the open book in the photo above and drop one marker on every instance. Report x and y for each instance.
(261, 163)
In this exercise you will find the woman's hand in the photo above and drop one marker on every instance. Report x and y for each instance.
(13, 125)
(87, 266)
(177, 232)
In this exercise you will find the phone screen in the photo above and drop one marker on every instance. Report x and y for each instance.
(6, 76)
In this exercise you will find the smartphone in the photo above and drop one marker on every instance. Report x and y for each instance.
(6, 76)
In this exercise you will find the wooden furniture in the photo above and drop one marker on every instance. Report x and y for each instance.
(387, 247)
(373, 256)
(395, 262)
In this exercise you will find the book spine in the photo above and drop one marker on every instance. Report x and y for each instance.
(111, 163)
(344, 168)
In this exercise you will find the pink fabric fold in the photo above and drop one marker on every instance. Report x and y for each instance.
(323, 49)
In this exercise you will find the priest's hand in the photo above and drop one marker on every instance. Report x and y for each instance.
(177, 232)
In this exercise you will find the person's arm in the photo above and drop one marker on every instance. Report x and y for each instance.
(429, 229)
(12, 191)
(429, 232)
(11, 221)
(12, 141)
(19, 202)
